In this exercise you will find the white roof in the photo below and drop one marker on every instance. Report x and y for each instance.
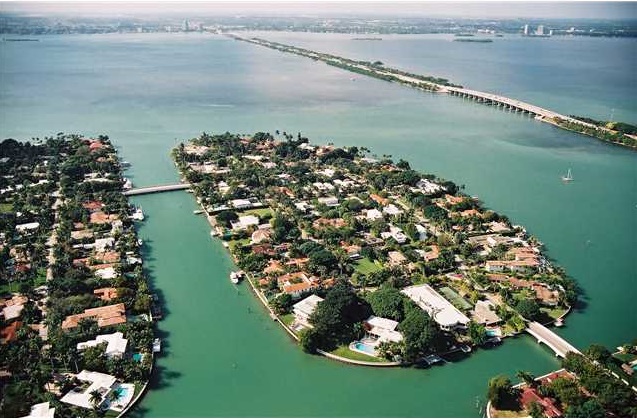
(392, 210)
(373, 214)
(99, 381)
(41, 410)
(106, 273)
(384, 328)
(240, 202)
(307, 305)
(103, 243)
(442, 311)
(12, 311)
(27, 226)
(116, 343)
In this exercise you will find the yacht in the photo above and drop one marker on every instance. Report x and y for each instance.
(235, 276)
(128, 184)
(138, 214)
(568, 177)
(156, 345)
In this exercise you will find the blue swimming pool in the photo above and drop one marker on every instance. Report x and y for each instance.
(364, 348)
(138, 357)
(123, 393)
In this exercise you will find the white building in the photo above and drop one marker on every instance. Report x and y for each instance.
(439, 308)
(392, 210)
(373, 214)
(107, 273)
(383, 329)
(245, 222)
(27, 226)
(305, 308)
(328, 201)
(103, 244)
(100, 382)
(115, 348)
(240, 204)
(42, 410)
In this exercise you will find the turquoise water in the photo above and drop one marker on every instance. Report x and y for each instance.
(365, 348)
(137, 357)
(148, 92)
(123, 393)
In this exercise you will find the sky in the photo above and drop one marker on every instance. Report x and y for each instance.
(318, 8)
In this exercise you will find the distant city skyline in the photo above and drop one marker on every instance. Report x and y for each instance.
(436, 9)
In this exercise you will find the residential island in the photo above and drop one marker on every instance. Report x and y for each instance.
(367, 260)
(77, 314)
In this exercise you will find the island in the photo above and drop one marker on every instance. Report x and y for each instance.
(611, 133)
(367, 260)
(594, 384)
(76, 329)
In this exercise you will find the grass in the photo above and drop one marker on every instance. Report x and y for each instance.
(288, 319)
(455, 298)
(257, 212)
(508, 414)
(553, 313)
(625, 357)
(344, 351)
(365, 266)
(6, 207)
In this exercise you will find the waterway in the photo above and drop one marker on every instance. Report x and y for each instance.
(223, 355)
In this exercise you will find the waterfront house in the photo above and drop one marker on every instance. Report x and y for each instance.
(382, 330)
(429, 187)
(439, 308)
(115, 344)
(82, 396)
(483, 313)
(42, 410)
(260, 235)
(244, 222)
(305, 308)
(106, 293)
(517, 266)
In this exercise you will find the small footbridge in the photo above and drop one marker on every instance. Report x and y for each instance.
(556, 343)
(156, 189)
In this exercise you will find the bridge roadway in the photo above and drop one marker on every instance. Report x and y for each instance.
(543, 335)
(156, 189)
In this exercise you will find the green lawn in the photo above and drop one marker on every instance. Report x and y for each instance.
(456, 300)
(365, 266)
(344, 351)
(257, 212)
(287, 319)
(6, 207)
(625, 357)
(553, 313)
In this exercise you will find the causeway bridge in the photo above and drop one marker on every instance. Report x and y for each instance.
(556, 343)
(156, 189)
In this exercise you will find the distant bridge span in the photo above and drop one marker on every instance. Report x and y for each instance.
(543, 335)
(156, 189)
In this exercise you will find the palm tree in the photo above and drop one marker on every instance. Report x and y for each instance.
(95, 398)
(527, 377)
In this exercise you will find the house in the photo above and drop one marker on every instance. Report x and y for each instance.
(42, 410)
(517, 266)
(396, 258)
(25, 227)
(305, 308)
(274, 266)
(115, 344)
(429, 187)
(103, 244)
(295, 284)
(9, 333)
(13, 307)
(380, 200)
(106, 273)
(484, 314)
(373, 214)
(240, 204)
(92, 205)
(422, 232)
(382, 329)
(328, 201)
(396, 233)
(82, 397)
(322, 223)
(392, 210)
(105, 316)
(440, 309)
(245, 222)
(101, 218)
(260, 235)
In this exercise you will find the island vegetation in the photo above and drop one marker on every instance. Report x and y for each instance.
(74, 297)
(591, 384)
(366, 257)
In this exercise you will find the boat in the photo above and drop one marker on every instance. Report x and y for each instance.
(140, 242)
(568, 177)
(236, 276)
(156, 345)
(432, 359)
(225, 244)
(197, 211)
(124, 164)
(558, 322)
(465, 348)
(128, 184)
(138, 214)
(214, 233)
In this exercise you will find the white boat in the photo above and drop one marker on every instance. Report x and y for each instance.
(213, 233)
(197, 211)
(568, 177)
(156, 345)
(138, 214)
(140, 242)
(225, 244)
(235, 276)
(128, 184)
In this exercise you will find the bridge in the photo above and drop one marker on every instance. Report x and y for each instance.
(548, 337)
(156, 189)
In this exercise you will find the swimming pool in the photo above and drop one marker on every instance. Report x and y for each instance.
(363, 348)
(138, 357)
(123, 393)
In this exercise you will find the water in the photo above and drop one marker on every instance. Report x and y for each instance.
(150, 91)
(365, 348)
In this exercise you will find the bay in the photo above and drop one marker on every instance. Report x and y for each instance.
(224, 356)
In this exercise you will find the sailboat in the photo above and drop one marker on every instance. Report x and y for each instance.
(568, 177)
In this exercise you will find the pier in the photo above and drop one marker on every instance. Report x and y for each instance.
(556, 343)
(156, 189)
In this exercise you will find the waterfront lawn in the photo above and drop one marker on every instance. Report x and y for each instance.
(344, 351)
(365, 266)
(625, 357)
(288, 319)
(553, 313)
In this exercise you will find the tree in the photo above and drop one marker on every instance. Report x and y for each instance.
(95, 398)
(282, 303)
(527, 377)
(419, 332)
(599, 353)
(536, 410)
(528, 308)
(387, 302)
(591, 408)
(477, 333)
(500, 391)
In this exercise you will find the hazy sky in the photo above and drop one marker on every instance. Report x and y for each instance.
(483, 9)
